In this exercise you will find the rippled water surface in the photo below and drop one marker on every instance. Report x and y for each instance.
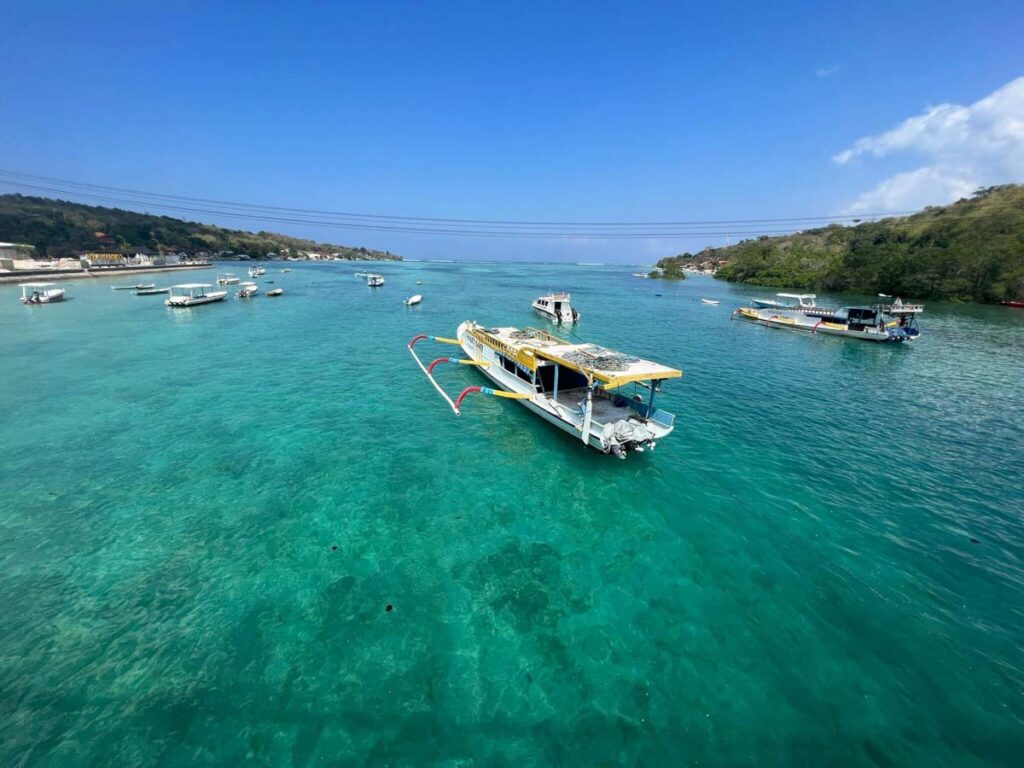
(821, 566)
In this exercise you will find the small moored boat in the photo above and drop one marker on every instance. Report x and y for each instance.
(247, 290)
(413, 300)
(713, 302)
(193, 294)
(228, 278)
(603, 397)
(152, 291)
(275, 292)
(375, 281)
(257, 271)
(139, 287)
(556, 308)
(41, 293)
(880, 323)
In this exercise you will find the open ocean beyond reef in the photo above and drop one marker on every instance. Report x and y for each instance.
(204, 514)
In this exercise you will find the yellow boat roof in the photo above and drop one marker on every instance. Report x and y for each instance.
(606, 365)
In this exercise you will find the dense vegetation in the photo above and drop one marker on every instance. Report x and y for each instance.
(670, 271)
(971, 250)
(59, 228)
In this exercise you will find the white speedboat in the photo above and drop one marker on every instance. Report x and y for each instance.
(193, 294)
(413, 300)
(791, 301)
(602, 397)
(41, 293)
(556, 308)
(375, 281)
(257, 271)
(228, 279)
(275, 292)
(247, 290)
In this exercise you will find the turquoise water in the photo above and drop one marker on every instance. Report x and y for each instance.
(789, 579)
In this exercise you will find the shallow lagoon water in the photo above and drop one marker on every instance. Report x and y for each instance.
(789, 579)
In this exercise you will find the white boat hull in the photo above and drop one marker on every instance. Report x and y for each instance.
(186, 301)
(50, 297)
(569, 420)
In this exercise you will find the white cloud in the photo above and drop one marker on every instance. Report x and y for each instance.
(965, 147)
(826, 71)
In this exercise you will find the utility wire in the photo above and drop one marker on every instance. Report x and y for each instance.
(394, 218)
(431, 226)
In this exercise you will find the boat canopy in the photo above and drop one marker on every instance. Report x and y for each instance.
(38, 285)
(797, 295)
(192, 286)
(611, 368)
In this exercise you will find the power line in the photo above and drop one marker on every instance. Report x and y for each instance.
(454, 221)
(492, 232)
(743, 228)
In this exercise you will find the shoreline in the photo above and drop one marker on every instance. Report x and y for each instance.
(30, 275)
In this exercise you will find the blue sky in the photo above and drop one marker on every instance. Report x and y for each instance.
(546, 111)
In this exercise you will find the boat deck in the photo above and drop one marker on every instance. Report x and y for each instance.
(604, 410)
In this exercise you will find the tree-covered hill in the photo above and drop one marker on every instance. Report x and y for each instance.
(59, 228)
(971, 250)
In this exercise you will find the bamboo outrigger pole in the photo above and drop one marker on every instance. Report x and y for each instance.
(429, 371)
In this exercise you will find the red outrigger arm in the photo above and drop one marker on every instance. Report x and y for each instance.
(429, 372)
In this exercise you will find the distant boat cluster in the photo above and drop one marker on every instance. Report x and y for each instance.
(892, 322)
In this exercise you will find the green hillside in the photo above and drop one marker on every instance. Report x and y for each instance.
(59, 228)
(971, 250)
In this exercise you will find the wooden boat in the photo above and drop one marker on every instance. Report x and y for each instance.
(879, 323)
(193, 294)
(41, 293)
(139, 287)
(275, 292)
(152, 291)
(413, 300)
(603, 397)
(556, 308)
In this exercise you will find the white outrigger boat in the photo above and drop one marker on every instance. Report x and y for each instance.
(228, 278)
(795, 301)
(556, 308)
(41, 293)
(580, 388)
(193, 294)
(880, 323)
(247, 290)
